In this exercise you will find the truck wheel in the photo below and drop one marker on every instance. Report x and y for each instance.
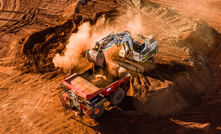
(97, 111)
(117, 96)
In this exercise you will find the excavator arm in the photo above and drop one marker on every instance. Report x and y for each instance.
(96, 55)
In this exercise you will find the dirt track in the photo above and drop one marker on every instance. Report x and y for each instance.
(29, 103)
(203, 9)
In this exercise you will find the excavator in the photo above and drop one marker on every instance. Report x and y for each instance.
(135, 54)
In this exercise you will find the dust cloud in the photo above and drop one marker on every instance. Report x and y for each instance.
(78, 43)
(74, 56)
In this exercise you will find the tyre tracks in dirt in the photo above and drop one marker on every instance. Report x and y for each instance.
(11, 6)
(28, 16)
(205, 10)
(29, 104)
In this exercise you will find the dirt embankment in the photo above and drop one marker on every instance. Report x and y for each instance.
(38, 49)
(207, 10)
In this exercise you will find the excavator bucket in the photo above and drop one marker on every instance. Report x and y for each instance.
(96, 57)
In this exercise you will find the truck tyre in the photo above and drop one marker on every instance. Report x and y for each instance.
(117, 96)
(97, 111)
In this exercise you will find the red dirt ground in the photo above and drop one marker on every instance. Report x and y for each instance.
(207, 10)
(181, 95)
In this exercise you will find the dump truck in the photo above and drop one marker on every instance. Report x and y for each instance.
(134, 55)
(86, 93)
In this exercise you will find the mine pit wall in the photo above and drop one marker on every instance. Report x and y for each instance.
(39, 48)
(178, 88)
(20, 18)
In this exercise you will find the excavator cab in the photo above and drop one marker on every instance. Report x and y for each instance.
(145, 47)
(140, 49)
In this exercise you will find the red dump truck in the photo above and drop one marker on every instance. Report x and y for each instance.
(86, 93)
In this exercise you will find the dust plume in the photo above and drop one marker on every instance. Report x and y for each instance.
(73, 56)
(131, 21)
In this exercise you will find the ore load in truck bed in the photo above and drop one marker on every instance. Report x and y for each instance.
(89, 83)
(99, 79)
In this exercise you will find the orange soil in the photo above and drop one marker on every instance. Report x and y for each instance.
(176, 97)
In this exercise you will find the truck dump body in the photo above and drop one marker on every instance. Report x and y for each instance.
(81, 86)
(89, 84)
